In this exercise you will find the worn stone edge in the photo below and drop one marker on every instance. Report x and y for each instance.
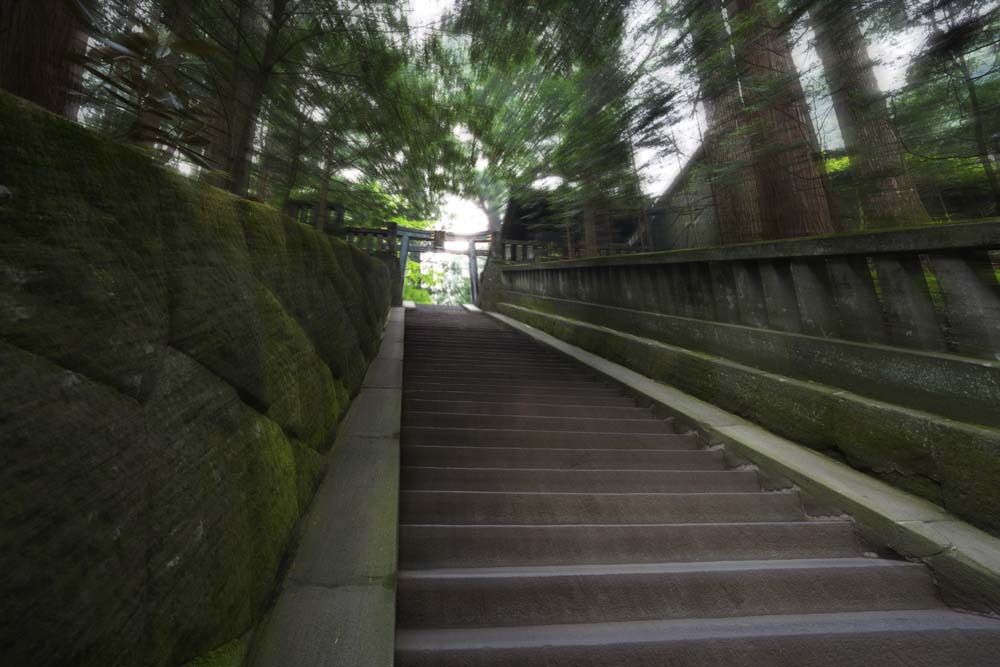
(390, 351)
(727, 340)
(964, 559)
(471, 307)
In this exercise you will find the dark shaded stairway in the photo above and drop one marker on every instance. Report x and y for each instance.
(547, 519)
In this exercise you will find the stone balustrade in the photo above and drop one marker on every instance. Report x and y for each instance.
(371, 240)
(881, 349)
(933, 288)
(525, 251)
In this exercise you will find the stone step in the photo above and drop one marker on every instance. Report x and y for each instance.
(484, 349)
(548, 517)
(451, 363)
(912, 638)
(569, 458)
(431, 334)
(461, 362)
(578, 481)
(559, 381)
(541, 378)
(448, 546)
(467, 361)
(512, 388)
(520, 373)
(440, 330)
(528, 408)
(537, 423)
(526, 395)
(523, 508)
(455, 349)
(473, 437)
(480, 354)
(511, 596)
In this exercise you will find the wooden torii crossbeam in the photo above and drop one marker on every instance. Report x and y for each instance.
(418, 241)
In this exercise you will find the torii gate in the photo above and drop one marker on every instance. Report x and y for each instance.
(418, 241)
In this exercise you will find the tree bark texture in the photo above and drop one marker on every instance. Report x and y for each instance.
(294, 163)
(41, 48)
(321, 209)
(242, 89)
(791, 181)
(727, 142)
(887, 193)
(979, 129)
(589, 229)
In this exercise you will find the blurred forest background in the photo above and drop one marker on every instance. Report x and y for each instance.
(596, 125)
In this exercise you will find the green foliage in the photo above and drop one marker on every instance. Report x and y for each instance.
(329, 91)
(835, 165)
(416, 294)
(502, 100)
(436, 283)
(545, 94)
(417, 283)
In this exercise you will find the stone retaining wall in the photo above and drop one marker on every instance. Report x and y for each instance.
(175, 362)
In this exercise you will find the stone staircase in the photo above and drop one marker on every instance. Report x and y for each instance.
(547, 518)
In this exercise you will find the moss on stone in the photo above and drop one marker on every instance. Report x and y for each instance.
(181, 359)
(74, 539)
(947, 462)
(959, 388)
(230, 654)
(299, 388)
(82, 253)
(273, 505)
(309, 469)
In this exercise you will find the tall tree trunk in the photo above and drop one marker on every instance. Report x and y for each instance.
(589, 229)
(979, 130)
(321, 209)
(727, 142)
(570, 248)
(243, 91)
(294, 162)
(239, 175)
(41, 46)
(233, 79)
(493, 221)
(888, 195)
(791, 181)
(263, 187)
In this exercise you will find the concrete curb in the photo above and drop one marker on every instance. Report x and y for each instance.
(964, 559)
(337, 605)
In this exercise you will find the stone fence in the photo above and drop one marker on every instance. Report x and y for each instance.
(933, 288)
(371, 240)
(881, 348)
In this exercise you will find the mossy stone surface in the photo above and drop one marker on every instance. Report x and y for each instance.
(956, 387)
(951, 463)
(230, 654)
(176, 363)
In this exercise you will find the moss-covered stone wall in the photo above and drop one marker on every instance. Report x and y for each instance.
(174, 365)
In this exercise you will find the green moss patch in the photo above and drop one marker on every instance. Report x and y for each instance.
(176, 363)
